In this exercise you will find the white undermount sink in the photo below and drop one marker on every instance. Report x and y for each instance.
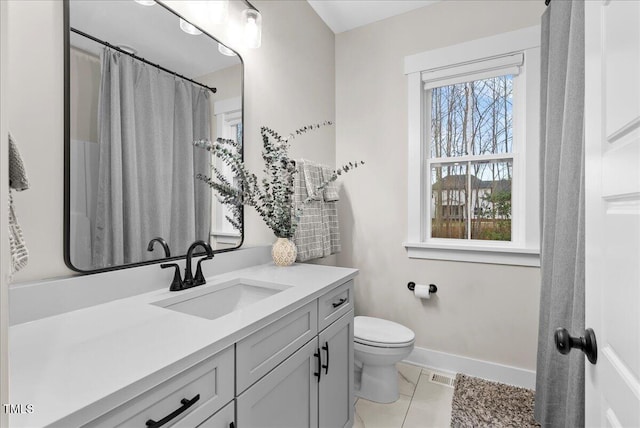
(214, 301)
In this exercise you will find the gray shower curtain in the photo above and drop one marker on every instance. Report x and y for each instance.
(559, 400)
(148, 120)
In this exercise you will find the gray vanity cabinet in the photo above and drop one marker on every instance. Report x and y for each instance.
(296, 371)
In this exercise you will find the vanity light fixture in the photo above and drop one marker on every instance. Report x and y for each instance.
(218, 10)
(146, 2)
(252, 23)
(225, 50)
(189, 28)
(246, 33)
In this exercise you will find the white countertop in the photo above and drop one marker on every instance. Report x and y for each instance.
(75, 366)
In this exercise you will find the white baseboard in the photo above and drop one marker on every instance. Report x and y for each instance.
(478, 368)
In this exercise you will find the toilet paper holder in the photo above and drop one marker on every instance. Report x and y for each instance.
(432, 287)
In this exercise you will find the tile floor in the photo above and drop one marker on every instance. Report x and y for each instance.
(422, 404)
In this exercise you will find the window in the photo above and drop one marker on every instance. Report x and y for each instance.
(228, 115)
(471, 159)
(473, 151)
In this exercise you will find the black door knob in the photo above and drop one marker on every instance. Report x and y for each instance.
(586, 343)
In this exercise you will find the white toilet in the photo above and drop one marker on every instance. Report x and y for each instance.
(378, 345)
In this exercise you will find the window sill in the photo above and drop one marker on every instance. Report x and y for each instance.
(491, 254)
(225, 237)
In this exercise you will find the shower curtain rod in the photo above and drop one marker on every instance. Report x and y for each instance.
(102, 42)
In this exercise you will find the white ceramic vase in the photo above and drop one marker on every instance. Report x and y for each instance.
(284, 252)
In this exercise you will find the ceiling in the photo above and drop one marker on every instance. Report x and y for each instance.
(345, 15)
(154, 32)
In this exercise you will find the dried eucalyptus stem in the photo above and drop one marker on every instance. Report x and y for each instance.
(273, 196)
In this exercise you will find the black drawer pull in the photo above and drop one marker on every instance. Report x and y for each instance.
(185, 405)
(319, 357)
(326, 366)
(340, 302)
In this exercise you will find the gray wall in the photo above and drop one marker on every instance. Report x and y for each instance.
(487, 312)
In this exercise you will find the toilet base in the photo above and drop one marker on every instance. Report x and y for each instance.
(379, 384)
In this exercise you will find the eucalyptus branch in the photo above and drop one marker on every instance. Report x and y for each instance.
(273, 196)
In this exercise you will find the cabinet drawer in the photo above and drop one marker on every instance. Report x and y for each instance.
(211, 380)
(335, 304)
(259, 353)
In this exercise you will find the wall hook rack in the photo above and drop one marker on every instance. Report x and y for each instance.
(432, 287)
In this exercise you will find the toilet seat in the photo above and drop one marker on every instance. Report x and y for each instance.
(381, 333)
(382, 345)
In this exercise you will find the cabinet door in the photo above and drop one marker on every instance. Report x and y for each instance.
(223, 419)
(336, 384)
(287, 397)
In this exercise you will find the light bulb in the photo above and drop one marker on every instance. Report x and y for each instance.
(146, 2)
(189, 28)
(225, 50)
(234, 34)
(252, 21)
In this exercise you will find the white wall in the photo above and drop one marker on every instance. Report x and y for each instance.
(487, 312)
(35, 119)
(289, 82)
(4, 238)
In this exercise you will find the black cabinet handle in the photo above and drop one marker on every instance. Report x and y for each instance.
(319, 357)
(185, 405)
(340, 302)
(326, 366)
(232, 425)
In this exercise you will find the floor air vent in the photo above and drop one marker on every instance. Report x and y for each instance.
(442, 379)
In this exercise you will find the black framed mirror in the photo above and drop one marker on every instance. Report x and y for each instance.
(141, 84)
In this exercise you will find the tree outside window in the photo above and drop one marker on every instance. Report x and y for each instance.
(471, 159)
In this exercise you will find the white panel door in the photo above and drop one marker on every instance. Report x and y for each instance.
(612, 154)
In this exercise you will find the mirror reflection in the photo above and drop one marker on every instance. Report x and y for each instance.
(143, 85)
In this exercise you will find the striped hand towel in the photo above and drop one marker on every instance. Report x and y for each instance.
(17, 181)
(317, 234)
(330, 215)
(331, 189)
(312, 179)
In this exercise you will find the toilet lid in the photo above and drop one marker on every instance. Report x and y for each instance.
(376, 330)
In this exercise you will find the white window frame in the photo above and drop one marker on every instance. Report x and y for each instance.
(228, 114)
(467, 59)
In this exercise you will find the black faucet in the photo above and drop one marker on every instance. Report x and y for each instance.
(176, 284)
(167, 252)
(189, 280)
